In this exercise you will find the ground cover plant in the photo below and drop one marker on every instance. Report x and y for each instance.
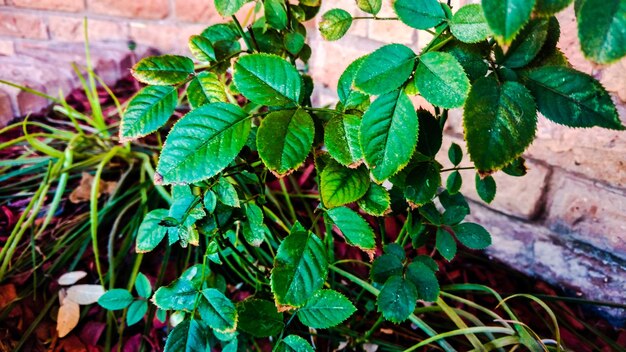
(278, 210)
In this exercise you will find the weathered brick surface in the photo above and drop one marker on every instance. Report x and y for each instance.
(70, 29)
(168, 38)
(199, 11)
(6, 47)
(56, 5)
(19, 25)
(589, 212)
(153, 9)
(6, 110)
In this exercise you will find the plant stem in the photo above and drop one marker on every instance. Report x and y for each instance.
(243, 34)
(375, 18)
(457, 168)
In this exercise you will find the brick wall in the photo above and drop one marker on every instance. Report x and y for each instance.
(565, 221)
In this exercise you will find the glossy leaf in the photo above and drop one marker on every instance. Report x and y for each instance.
(486, 188)
(601, 29)
(275, 13)
(550, 7)
(395, 249)
(147, 111)
(471, 58)
(226, 193)
(115, 299)
(455, 154)
(527, 45)
(293, 343)
(507, 17)
(143, 286)
(340, 185)
(217, 311)
(469, 24)
(294, 42)
(203, 143)
(268, 79)
(163, 70)
(284, 140)
(206, 88)
(385, 69)
(397, 299)
(136, 311)
(202, 48)
(369, 6)
(150, 233)
(354, 228)
(389, 132)
(430, 135)
(300, 268)
(420, 14)
(572, 98)
(424, 280)
(253, 230)
(188, 336)
(181, 294)
(376, 201)
(348, 96)
(454, 215)
(341, 137)
(445, 244)
(386, 266)
(472, 235)
(228, 8)
(454, 182)
(500, 122)
(335, 23)
(441, 80)
(325, 309)
(259, 318)
(422, 182)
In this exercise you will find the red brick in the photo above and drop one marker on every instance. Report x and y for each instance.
(56, 5)
(196, 11)
(6, 111)
(390, 31)
(22, 26)
(70, 29)
(330, 59)
(153, 9)
(588, 212)
(167, 38)
(6, 47)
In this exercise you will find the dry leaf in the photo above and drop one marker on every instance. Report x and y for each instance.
(370, 347)
(71, 278)
(67, 319)
(82, 193)
(85, 294)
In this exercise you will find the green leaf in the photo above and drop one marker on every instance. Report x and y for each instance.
(217, 311)
(136, 311)
(226, 193)
(500, 122)
(275, 13)
(445, 244)
(386, 266)
(430, 213)
(147, 111)
(143, 286)
(424, 280)
(455, 154)
(340, 185)
(294, 42)
(202, 48)
(507, 17)
(429, 262)
(572, 98)
(454, 215)
(354, 228)
(348, 96)
(188, 336)
(115, 299)
(300, 269)
(550, 7)
(601, 31)
(486, 188)
(469, 24)
(430, 135)
(369, 6)
(527, 45)
(471, 58)
(341, 137)
(284, 140)
(441, 80)
(472, 235)
(334, 24)
(227, 8)
(206, 88)
(389, 132)
(150, 233)
(268, 79)
(517, 168)
(253, 230)
(395, 249)
(163, 70)
(420, 14)
(259, 318)
(385, 69)
(325, 309)
(376, 200)
(203, 143)
(454, 182)
(293, 343)
(181, 294)
(422, 182)
(397, 299)
(210, 201)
